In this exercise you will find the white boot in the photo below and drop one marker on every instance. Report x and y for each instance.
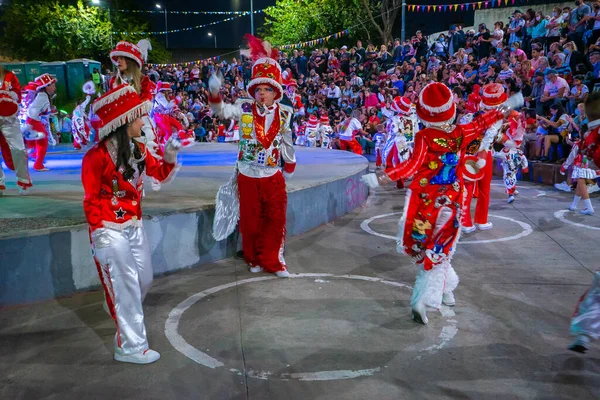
(511, 198)
(23, 191)
(419, 313)
(282, 274)
(448, 299)
(147, 357)
(256, 269)
(580, 344)
(485, 227)
(468, 229)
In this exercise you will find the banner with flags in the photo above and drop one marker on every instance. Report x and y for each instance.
(185, 12)
(477, 5)
(314, 42)
(188, 28)
(187, 63)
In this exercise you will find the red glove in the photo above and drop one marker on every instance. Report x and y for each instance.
(525, 170)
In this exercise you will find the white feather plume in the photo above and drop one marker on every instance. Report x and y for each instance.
(89, 88)
(144, 46)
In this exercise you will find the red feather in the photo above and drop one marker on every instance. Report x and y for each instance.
(257, 48)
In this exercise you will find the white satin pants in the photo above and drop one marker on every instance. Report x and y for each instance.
(125, 269)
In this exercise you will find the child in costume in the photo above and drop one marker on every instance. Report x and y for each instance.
(430, 224)
(113, 174)
(379, 138)
(81, 127)
(311, 133)
(325, 131)
(512, 156)
(37, 126)
(266, 158)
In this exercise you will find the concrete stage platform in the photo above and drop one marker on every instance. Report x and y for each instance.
(340, 329)
(44, 244)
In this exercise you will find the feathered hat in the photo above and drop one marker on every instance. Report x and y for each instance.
(138, 53)
(118, 107)
(266, 69)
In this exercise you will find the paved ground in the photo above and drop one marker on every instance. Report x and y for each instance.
(55, 199)
(345, 336)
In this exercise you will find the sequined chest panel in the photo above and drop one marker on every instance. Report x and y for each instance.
(253, 151)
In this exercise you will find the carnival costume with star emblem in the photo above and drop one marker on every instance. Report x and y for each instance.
(139, 54)
(265, 149)
(11, 138)
(511, 155)
(325, 132)
(113, 208)
(479, 161)
(430, 224)
(401, 131)
(81, 127)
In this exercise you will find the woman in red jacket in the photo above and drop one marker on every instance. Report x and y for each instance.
(113, 176)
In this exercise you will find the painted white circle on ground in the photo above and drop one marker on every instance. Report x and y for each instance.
(527, 229)
(540, 192)
(560, 215)
(180, 344)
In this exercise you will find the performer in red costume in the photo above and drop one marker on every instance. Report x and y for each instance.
(129, 59)
(430, 225)
(38, 113)
(11, 138)
(479, 163)
(349, 128)
(113, 177)
(169, 119)
(266, 140)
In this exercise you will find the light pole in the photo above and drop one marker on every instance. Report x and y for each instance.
(252, 17)
(403, 32)
(97, 3)
(215, 35)
(166, 25)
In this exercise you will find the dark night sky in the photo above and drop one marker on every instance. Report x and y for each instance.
(229, 34)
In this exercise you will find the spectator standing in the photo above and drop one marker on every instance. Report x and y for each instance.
(484, 40)
(538, 28)
(498, 34)
(421, 46)
(577, 22)
(516, 28)
(554, 26)
(457, 39)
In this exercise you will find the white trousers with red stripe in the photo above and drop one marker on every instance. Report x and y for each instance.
(125, 269)
(13, 151)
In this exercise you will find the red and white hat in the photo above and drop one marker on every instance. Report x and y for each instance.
(324, 119)
(30, 87)
(493, 96)
(163, 86)
(401, 105)
(290, 83)
(43, 81)
(118, 107)
(313, 121)
(138, 53)
(435, 106)
(266, 69)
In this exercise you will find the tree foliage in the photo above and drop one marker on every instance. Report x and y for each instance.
(53, 30)
(387, 13)
(293, 21)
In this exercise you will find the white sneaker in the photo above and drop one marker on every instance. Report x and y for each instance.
(419, 313)
(485, 227)
(592, 188)
(468, 229)
(23, 191)
(448, 299)
(282, 274)
(511, 198)
(256, 269)
(147, 357)
(586, 211)
(564, 186)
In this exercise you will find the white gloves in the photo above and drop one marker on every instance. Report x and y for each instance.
(214, 84)
(514, 101)
(171, 150)
(370, 180)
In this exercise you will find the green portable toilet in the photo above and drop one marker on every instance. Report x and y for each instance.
(79, 71)
(33, 69)
(18, 69)
(58, 69)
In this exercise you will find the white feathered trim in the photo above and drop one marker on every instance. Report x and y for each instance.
(442, 123)
(444, 107)
(109, 98)
(156, 185)
(114, 54)
(429, 286)
(129, 116)
(11, 94)
(144, 45)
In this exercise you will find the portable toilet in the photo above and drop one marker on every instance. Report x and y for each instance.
(58, 69)
(33, 69)
(18, 69)
(79, 71)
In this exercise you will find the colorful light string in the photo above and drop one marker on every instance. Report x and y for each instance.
(478, 5)
(188, 28)
(185, 12)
